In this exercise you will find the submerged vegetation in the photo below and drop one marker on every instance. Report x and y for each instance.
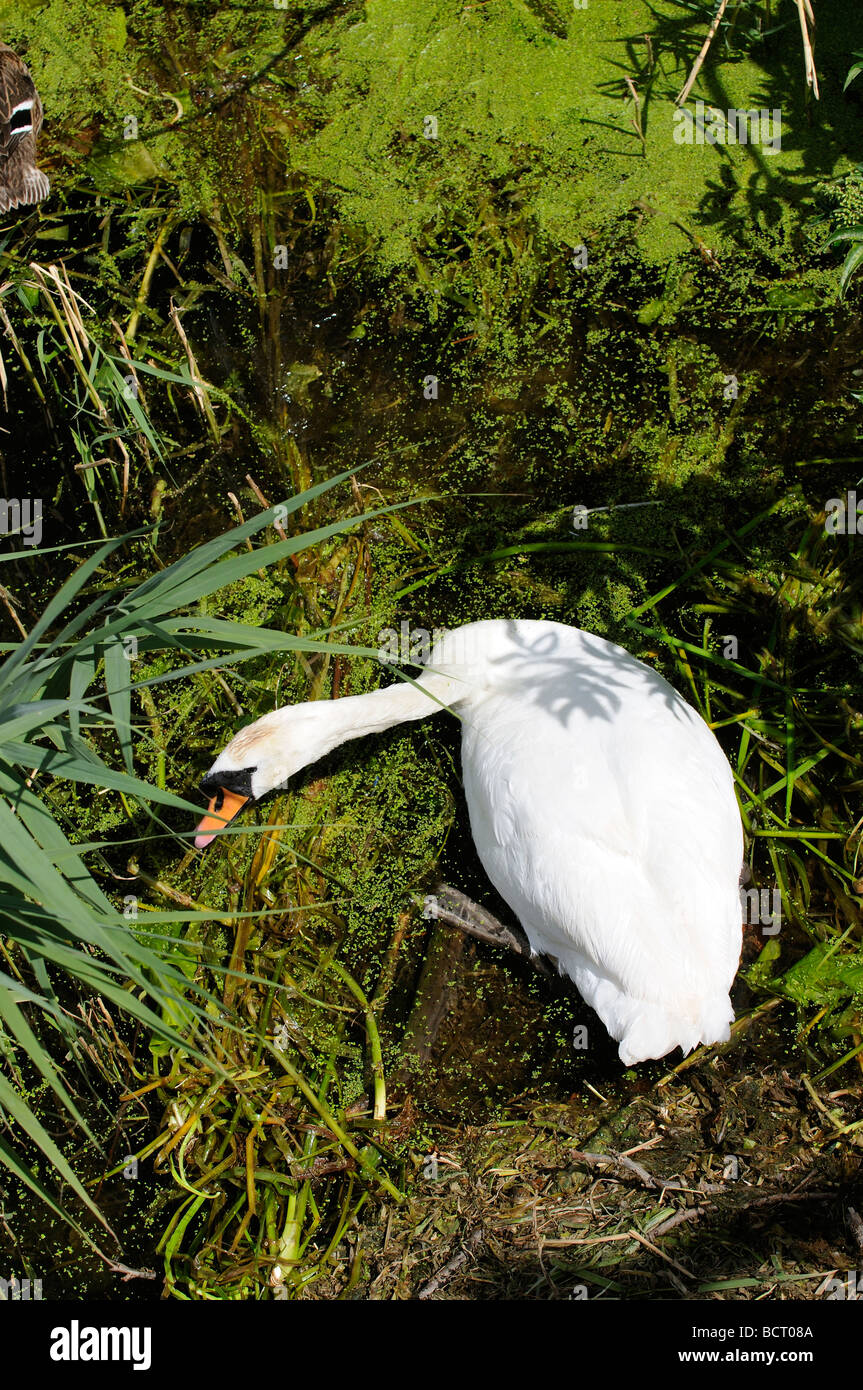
(452, 257)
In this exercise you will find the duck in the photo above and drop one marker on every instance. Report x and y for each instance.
(21, 181)
(601, 805)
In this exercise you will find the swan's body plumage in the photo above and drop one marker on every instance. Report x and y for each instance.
(601, 805)
(603, 810)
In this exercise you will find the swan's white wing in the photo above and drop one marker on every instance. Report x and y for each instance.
(612, 831)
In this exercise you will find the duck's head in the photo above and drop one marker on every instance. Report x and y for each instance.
(260, 758)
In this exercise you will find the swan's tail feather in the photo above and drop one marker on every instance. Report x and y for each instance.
(645, 1029)
(652, 1031)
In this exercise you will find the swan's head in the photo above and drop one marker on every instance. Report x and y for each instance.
(227, 791)
(258, 759)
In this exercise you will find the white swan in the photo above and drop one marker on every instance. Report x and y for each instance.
(601, 805)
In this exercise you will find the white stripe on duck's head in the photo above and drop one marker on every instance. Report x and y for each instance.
(21, 119)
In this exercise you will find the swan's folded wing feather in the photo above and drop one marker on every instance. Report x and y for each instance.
(617, 843)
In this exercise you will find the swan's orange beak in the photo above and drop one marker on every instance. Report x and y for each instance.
(221, 810)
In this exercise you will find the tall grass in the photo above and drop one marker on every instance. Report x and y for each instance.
(68, 357)
(66, 714)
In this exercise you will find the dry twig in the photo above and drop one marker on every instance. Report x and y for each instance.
(696, 66)
(452, 1267)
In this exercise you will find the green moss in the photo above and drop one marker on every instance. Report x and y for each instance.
(538, 117)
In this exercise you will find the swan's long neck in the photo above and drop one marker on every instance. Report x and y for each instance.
(358, 715)
(297, 735)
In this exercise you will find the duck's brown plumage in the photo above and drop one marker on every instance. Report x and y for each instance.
(21, 182)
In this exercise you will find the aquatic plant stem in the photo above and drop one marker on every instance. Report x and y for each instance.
(374, 1037)
(149, 270)
(332, 1123)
